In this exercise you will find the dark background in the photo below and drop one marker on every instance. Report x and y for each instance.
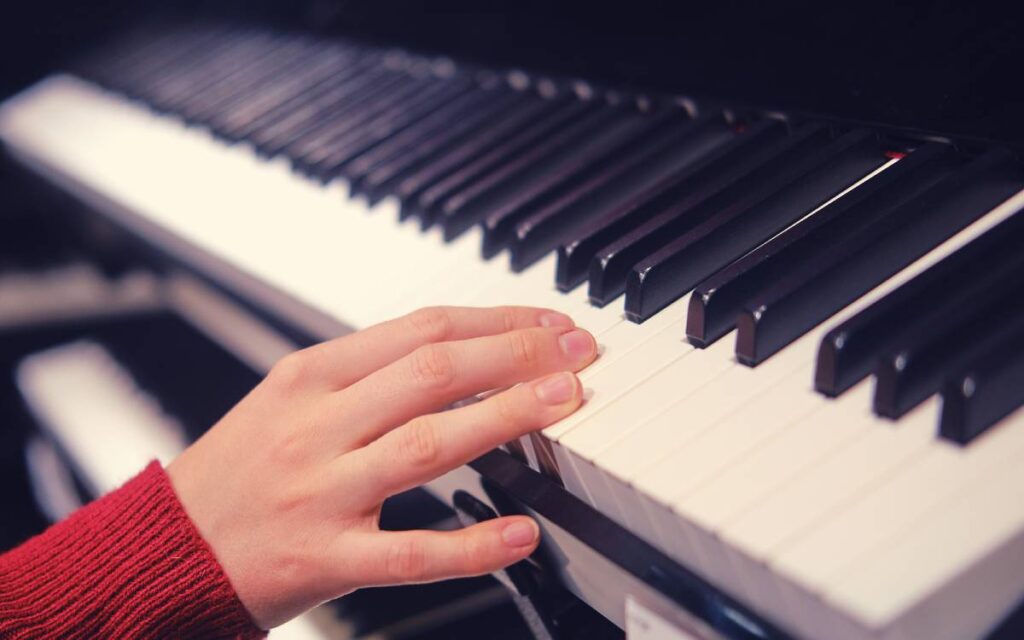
(942, 67)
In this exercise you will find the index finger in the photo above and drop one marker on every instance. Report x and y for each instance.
(348, 359)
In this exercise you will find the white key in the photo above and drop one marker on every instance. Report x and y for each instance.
(820, 493)
(627, 372)
(674, 431)
(965, 557)
(577, 448)
(812, 563)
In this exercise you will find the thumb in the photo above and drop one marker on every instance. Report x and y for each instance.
(399, 557)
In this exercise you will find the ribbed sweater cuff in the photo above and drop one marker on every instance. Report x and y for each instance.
(129, 565)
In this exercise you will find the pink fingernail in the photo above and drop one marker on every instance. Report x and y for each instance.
(553, 319)
(556, 389)
(577, 345)
(520, 533)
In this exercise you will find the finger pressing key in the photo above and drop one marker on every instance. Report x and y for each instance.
(434, 376)
(343, 361)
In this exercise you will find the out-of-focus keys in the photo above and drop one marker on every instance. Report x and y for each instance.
(632, 172)
(568, 144)
(580, 165)
(433, 200)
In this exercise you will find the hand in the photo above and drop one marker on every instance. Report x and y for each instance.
(287, 487)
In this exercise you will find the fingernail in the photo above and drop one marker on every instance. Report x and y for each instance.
(520, 533)
(556, 389)
(554, 319)
(577, 345)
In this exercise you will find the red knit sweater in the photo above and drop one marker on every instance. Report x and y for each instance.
(129, 565)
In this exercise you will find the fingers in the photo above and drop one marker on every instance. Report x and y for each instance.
(430, 445)
(436, 375)
(340, 362)
(402, 557)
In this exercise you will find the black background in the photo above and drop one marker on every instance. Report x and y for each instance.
(947, 68)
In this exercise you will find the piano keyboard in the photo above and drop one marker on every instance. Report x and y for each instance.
(810, 366)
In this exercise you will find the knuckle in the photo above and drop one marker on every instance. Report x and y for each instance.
(432, 324)
(524, 348)
(419, 443)
(509, 318)
(406, 561)
(432, 366)
(292, 371)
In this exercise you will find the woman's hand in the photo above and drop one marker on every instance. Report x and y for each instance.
(287, 487)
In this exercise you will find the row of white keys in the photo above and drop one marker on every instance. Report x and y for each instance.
(958, 567)
(721, 449)
(634, 356)
(637, 450)
(816, 497)
(625, 350)
(723, 493)
(813, 566)
(331, 252)
(878, 453)
(208, 194)
(684, 375)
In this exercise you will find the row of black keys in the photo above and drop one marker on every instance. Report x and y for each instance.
(637, 196)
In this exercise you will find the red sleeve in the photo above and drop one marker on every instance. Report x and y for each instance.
(129, 565)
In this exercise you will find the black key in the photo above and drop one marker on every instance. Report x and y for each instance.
(391, 122)
(849, 351)
(323, 93)
(155, 81)
(314, 118)
(432, 200)
(970, 328)
(762, 206)
(612, 263)
(422, 135)
(835, 278)
(439, 145)
(321, 70)
(495, 135)
(194, 84)
(589, 159)
(144, 56)
(575, 255)
(237, 87)
(633, 171)
(353, 119)
(987, 389)
(470, 204)
(317, 139)
(716, 302)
